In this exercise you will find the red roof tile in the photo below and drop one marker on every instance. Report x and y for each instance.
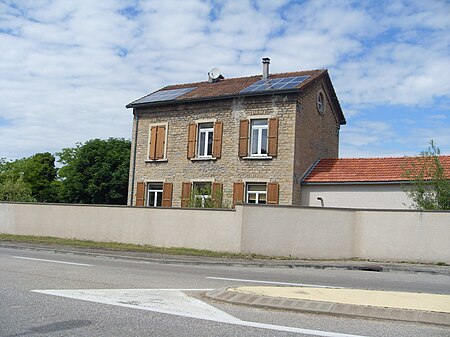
(367, 169)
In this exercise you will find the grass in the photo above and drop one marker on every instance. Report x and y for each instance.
(116, 246)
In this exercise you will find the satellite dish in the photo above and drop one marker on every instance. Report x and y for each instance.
(214, 73)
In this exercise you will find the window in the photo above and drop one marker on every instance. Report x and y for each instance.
(256, 194)
(158, 194)
(258, 137)
(157, 142)
(155, 194)
(205, 140)
(201, 194)
(321, 102)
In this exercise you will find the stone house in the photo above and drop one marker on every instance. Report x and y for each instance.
(238, 140)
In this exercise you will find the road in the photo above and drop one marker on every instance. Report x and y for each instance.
(45, 293)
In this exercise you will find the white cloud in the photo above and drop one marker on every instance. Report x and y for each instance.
(69, 67)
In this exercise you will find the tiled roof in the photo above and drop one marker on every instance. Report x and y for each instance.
(367, 169)
(231, 87)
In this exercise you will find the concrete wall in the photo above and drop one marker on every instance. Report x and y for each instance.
(304, 232)
(199, 229)
(378, 196)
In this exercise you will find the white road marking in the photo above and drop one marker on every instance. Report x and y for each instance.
(53, 261)
(272, 282)
(174, 302)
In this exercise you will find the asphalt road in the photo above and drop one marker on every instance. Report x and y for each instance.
(47, 293)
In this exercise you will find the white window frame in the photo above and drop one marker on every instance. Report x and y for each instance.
(155, 192)
(257, 193)
(150, 137)
(259, 129)
(209, 132)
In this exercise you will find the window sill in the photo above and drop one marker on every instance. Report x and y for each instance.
(258, 158)
(203, 159)
(156, 160)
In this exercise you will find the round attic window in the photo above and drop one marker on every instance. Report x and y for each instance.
(321, 102)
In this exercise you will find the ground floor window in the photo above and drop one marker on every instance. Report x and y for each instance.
(201, 192)
(256, 194)
(155, 194)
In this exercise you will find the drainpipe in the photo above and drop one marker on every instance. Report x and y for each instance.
(134, 156)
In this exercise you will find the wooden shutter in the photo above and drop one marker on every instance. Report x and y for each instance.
(273, 137)
(272, 193)
(185, 194)
(243, 138)
(167, 195)
(192, 133)
(152, 145)
(160, 142)
(217, 140)
(238, 193)
(140, 193)
(216, 194)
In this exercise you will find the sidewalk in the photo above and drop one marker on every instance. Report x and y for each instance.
(399, 306)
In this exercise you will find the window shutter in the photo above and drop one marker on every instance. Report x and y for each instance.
(167, 195)
(216, 194)
(191, 140)
(160, 142)
(273, 136)
(272, 193)
(217, 141)
(185, 194)
(140, 192)
(243, 138)
(238, 193)
(152, 145)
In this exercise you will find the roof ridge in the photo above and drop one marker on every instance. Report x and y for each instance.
(320, 71)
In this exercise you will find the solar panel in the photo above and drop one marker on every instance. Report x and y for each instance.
(275, 84)
(164, 95)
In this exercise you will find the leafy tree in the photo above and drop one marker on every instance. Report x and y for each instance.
(430, 186)
(34, 175)
(95, 172)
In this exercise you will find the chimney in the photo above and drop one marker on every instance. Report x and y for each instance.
(266, 62)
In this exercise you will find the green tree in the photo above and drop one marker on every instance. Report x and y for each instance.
(430, 185)
(35, 174)
(95, 172)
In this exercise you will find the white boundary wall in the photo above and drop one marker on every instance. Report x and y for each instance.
(304, 232)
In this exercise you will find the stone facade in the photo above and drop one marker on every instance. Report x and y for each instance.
(304, 136)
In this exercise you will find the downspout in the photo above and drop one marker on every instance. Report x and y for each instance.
(134, 156)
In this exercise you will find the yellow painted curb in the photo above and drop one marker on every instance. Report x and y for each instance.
(375, 298)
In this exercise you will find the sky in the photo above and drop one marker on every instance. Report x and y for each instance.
(68, 68)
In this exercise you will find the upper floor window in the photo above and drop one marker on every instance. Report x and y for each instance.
(258, 138)
(157, 142)
(320, 102)
(205, 140)
(258, 135)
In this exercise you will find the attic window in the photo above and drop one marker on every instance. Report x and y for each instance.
(321, 102)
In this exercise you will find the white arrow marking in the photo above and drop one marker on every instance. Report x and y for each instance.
(174, 302)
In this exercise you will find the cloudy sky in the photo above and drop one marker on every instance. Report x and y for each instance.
(68, 68)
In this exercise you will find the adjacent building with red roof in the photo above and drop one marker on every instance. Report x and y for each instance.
(363, 182)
